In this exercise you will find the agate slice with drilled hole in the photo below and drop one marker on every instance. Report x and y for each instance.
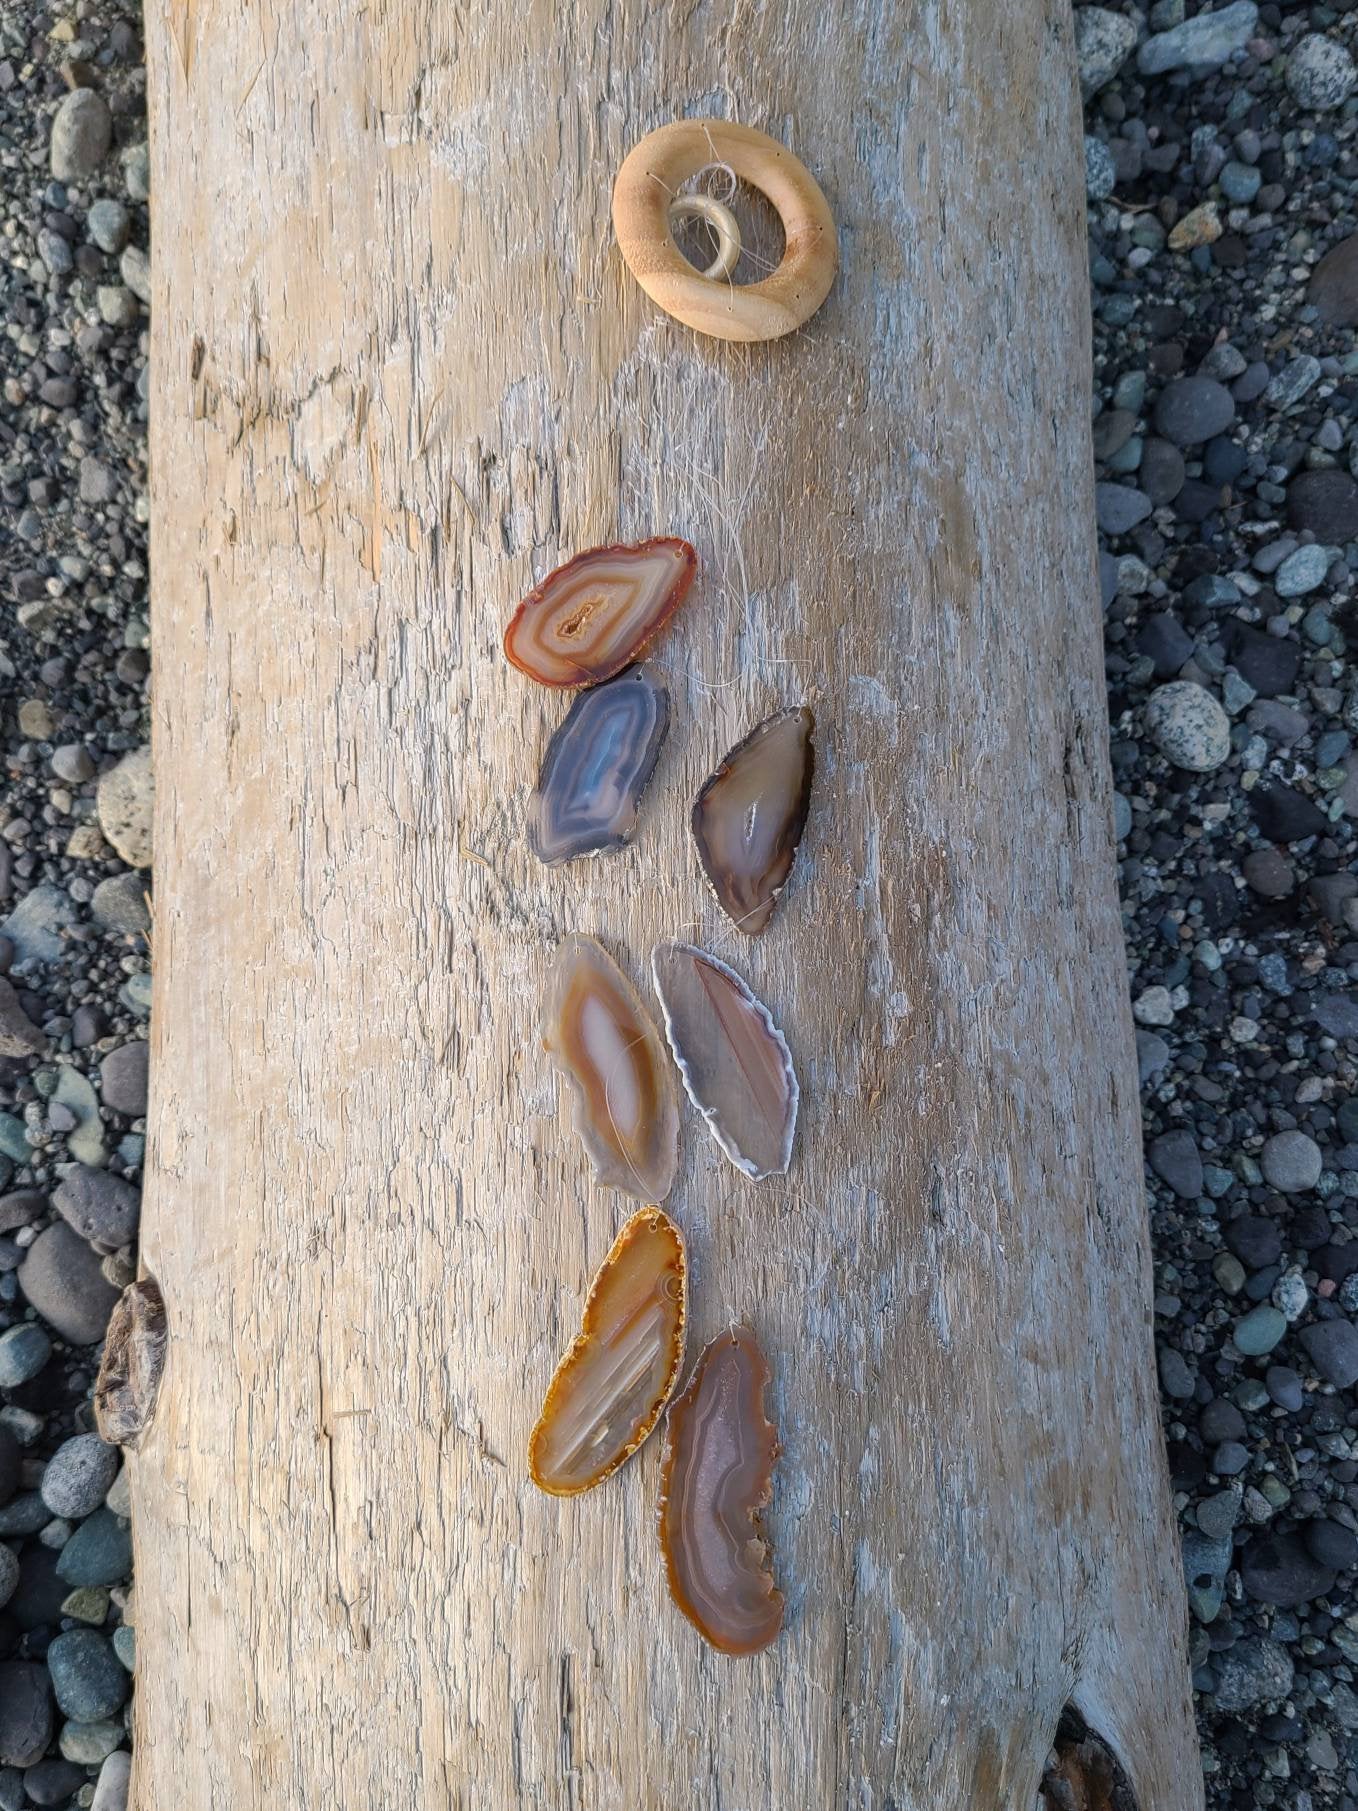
(734, 1061)
(596, 768)
(587, 619)
(604, 1042)
(609, 1389)
(749, 817)
(716, 1476)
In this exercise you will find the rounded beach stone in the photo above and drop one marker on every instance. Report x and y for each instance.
(81, 130)
(1188, 726)
(61, 1277)
(1320, 72)
(87, 1677)
(78, 1476)
(125, 798)
(1291, 1162)
(1194, 409)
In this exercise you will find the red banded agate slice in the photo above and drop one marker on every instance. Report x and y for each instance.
(716, 1477)
(735, 1063)
(605, 1043)
(608, 1391)
(587, 619)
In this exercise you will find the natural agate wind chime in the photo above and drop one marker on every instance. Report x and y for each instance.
(585, 626)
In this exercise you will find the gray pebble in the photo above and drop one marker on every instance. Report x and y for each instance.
(9, 1573)
(1100, 171)
(1291, 1162)
(1175, 1376)
(1188, 726)
(122, 1078)
(1320, 72)
(117, 305)
(1217, 1515)
(119, 904)
(1201, 43)
(109, 225)
(98, 1553)
(1119, 507)
(81, 131)
(87, 1680)
(1253, 1671)
(135, 270)
(78, 1476)
(25, 1713)
(137, 172)
(71, 762)
(61, 1278)
(1174, 1158)
(1301, 572)
(1293, 381)
(24, 1350)
(89, 1743)
(100, 1206)
(1103, 43)
(1259, 1331)
(1332, 1347)
(114, 1778)
(1194, 409)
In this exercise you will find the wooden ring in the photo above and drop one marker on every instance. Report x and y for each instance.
(725, 229)
(652, 176)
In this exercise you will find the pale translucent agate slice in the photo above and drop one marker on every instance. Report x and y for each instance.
(609, 1389)
(605, 1043)
(749, 817)
(733, 1059)
(716, 1477)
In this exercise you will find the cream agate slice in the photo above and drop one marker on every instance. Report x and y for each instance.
(749, 817)
(716, 1477)
(603, 1040)
(735, 1063)
(608, 1391)
(587, 619)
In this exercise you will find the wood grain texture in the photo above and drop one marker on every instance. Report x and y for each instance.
(399, 373)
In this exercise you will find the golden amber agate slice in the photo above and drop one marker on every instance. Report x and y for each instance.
(749, 817)
(605, 1043)
(609, 1389)
(716, 1477)
(587, 619)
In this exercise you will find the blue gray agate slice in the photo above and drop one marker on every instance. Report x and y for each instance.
(596, 768)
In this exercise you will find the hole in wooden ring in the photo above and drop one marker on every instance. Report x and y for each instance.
(660, 171)
(724, 226)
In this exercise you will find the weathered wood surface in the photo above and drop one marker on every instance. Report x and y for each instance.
(398, 373)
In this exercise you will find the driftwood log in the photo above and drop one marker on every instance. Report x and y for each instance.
(399, 373)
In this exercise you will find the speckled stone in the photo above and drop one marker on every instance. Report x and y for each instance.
(1188, 726)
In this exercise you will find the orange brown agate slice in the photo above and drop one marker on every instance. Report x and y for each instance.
(716, 1477)
(749, 817)
(609, 1389)
(605, 1043)
(587, 619)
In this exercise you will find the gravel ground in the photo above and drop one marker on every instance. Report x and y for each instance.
(1222, 164)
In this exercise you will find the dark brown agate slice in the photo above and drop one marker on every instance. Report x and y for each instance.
(605, 1043)
(716, 1477)
(749, 817)
(587, 619)
(608, 1391)
(735, 1063)
(596, 768)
